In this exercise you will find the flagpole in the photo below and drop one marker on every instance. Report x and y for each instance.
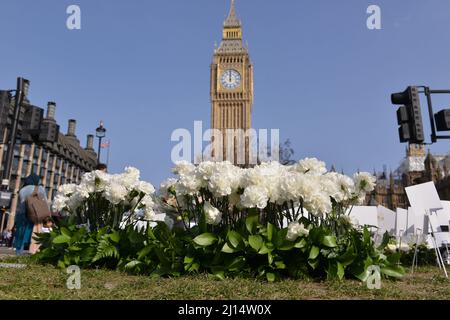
(107, 155)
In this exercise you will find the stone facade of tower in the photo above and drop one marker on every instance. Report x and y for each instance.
(232, 95)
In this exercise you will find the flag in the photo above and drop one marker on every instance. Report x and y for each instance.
(105, 144)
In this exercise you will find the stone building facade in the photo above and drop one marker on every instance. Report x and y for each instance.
(417, 167)
(56, 163)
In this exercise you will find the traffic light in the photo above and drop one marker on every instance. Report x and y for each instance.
(409, 116)
(443, 120)
(5, 107)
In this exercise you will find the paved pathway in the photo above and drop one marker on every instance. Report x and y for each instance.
(6, 252)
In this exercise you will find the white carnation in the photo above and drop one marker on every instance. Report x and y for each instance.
(115, 193)
(364, 182)
(60, 202)
(213, 215)
(183, 167)
(67, 189)
(144, 187)
(296, 230)
(255, 197)
(311, 166)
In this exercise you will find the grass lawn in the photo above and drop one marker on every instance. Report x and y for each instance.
(46, 282)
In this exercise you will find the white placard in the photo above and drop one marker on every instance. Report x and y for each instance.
(424, 197)
(418, 220)
(401, 222)
(443, 215)
(386, 220)
(410, 222)
(365, 215)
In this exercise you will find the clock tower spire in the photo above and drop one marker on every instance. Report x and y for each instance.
(232, 94)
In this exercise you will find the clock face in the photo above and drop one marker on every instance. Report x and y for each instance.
(230, 79)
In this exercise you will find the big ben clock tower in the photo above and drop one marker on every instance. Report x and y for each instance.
(232, 92)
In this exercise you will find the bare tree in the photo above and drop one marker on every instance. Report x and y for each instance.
(286, 153)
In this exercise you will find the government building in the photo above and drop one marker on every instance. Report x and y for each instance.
(55, 157)
(418, 166)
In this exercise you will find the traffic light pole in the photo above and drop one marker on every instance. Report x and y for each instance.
(428, 94)
(13, 133)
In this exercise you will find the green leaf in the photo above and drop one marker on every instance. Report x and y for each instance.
(385, 241)
(394, 258)
(329, 241)
(313, 263)
(218, 272)
(235, 240)
(280, 265)
(270, 258)
(251, 222)
(271, 231)
(340, 270)
(270, 276)
(188, 259)
(264, 249)
(286, 246)
(205, 239)
(301, 244)
(132, 264)
(236, 264)
(61, 239)
(227, 249)
(280, 237)
(314, 252)
(256, 242)
(115, 236)
(65, 232)
(61, 264)
(393, 271)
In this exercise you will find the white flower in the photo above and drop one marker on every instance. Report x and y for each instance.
(338, 186)
(213, 215)
(95, 181)
(67, 189)
(311, 166)
(318, 204)
(166, 185)
(225, 179)
(60, 202)
(189, 184)
(364, 182)
(128, 179)
(183, 167)
(296, 230)
(255, 197)
(115, 193)
(392, 247)
(144, 187)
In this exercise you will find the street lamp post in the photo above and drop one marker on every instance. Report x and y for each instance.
(100, 133)
(21, 82)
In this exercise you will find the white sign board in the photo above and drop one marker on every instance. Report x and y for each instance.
(386, 220)
(365, 215)
(401, 222)
(424, 197)
(416, 220)
(444, 214)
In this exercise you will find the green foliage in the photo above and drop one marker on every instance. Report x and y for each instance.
(425, 256)
(250, 250)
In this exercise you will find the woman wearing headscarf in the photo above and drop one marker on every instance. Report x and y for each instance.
(25, 229)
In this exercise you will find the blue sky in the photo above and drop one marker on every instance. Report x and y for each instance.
(142, 66)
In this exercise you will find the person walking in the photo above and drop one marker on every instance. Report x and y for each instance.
(25, 228)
